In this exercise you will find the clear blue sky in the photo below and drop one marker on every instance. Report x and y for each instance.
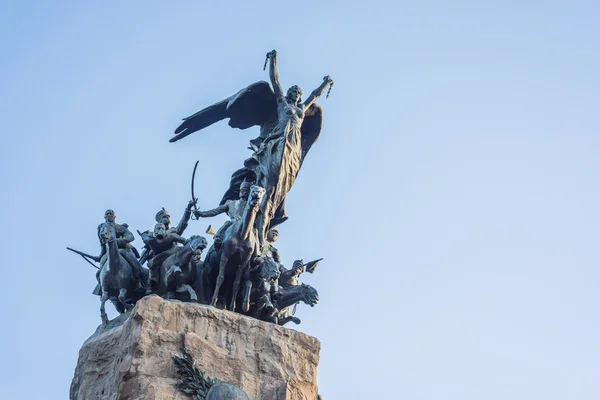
(453, 192)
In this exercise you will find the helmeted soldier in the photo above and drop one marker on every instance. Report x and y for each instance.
(269, 250)
(161, 243)
(289, 277)
(163, 217)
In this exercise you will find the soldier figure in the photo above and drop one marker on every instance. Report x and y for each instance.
(163, 217)
(161, 244)
(269, 250)
(124, 238)
(289, 277)
(233, 208)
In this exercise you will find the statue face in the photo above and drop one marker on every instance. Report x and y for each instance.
(272, 236)
(294, 93)
(244, 192)
(109, 216)
(165, 220)
(159, 231)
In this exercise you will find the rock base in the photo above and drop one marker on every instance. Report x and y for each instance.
(132, 357)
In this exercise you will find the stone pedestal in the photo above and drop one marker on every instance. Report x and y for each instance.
(132, 358)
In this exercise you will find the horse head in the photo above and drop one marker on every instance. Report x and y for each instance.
(268, 269)
(197, 244)
(107, 232)
(255, 197)
(310, 295)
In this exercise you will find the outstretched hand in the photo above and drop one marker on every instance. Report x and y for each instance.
(327, 79)
(272, 54)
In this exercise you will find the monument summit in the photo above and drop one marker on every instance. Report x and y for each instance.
(198, 324)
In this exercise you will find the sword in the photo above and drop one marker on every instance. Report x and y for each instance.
(194, 199)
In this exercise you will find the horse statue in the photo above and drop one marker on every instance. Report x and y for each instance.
(240, 243)
(117, 282)
(292, 295)
(177, 272)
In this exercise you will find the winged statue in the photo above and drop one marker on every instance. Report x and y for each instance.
(288, 129)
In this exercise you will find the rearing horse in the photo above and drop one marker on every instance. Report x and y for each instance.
(240, 242)
(116, 276)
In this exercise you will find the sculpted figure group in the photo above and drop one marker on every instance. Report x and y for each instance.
(242, 269)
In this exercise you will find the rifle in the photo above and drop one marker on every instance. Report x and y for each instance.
(86, 257)
(144, 257)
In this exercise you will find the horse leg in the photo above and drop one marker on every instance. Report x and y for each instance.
(187, 288)
(103, 308)
(171, 274)
(238, 278)
(123, 299)
(262, 302)
(268, 305)
(205, 288)
(220, 279)
(285, 320)
(247, 290)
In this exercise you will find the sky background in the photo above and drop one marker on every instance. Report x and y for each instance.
(453, 192)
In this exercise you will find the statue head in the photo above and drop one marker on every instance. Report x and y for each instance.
(256, 195)
(159, 231)
(268, 269)
(310, 295)
(163, 217)
(109, 215)
(272, 235)
(294, 94)
(245, 189)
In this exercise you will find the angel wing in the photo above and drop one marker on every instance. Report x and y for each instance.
(254, 105)
(311, 128)
(251, 106)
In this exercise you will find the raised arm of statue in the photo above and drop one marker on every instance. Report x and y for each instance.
(272, 55)
(212, 213)
(185, 219)
(318, 92)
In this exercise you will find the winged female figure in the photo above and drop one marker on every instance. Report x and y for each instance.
(288, 129)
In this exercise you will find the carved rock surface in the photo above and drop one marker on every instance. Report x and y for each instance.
(132, 358)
